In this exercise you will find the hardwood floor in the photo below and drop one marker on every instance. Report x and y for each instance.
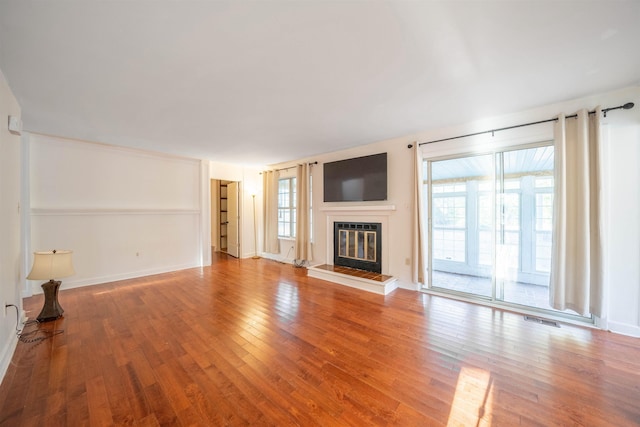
(255, 342)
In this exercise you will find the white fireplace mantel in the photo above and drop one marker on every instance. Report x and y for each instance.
(381, 209)
(359, 213)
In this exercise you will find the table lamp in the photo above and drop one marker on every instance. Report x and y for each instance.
(51, 265)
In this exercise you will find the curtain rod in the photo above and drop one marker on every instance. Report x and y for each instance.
(627, 106)
(291, 167)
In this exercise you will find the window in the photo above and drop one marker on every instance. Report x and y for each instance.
(485, 224)
(543, 223)
(449, 229)
(287, 207)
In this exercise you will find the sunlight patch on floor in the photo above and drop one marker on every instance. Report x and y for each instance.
(473, 400)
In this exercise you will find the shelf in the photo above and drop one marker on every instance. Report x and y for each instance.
(223, 215)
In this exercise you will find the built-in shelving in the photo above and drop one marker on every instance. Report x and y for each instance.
(223, 211)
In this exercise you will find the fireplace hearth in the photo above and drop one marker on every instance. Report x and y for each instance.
(358, 245)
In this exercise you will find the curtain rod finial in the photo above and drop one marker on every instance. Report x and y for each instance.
(410, 146)
(628, 105)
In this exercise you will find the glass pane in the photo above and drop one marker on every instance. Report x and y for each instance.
(292, 190)
(524, 241)
(371, 246)
(342, 243)
(351, 244)
(545, 182)
(462, 221)
(543, 252)
(544, 211)
(485, 248)
(511, 209)
(512, 184)
(286, 207)
(449, 211)
(491, 225)
(360, 251)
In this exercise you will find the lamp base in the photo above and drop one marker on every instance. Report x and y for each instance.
(51, 309)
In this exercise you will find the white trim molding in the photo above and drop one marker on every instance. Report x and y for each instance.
(101, 211)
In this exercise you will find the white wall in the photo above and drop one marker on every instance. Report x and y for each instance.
(124, 213)
(10, 265)
(621, 130)
(621, 138)
(395, 213)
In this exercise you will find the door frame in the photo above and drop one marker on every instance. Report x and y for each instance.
(492, 300)
(216, 219)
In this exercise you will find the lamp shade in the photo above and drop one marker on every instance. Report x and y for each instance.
(51, 265)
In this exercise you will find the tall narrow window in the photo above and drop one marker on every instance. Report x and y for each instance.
(544, 218)
(485, 223)
(287, 207)
(449, 222)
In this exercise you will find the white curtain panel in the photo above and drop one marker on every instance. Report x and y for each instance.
(270, 211)
(419, 273)
(576, 266)
(303, 220)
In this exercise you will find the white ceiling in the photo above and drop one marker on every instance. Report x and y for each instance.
(260, 82)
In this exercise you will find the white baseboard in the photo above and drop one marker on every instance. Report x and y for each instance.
(71, 284)
(410, 286)
(276, 257)
(8, 350)
(624, 329)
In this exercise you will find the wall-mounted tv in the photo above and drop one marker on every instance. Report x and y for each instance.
(356, 180)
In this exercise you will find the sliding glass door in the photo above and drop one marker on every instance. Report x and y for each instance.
(524, 226)
(490, 219)
(462, 223)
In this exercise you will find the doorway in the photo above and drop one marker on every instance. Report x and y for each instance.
(225, 227)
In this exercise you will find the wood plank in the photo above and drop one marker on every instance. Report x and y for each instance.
(256, 342)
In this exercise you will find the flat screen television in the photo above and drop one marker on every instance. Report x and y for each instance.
(359, 179)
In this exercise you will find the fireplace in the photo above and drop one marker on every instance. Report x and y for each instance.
(358, 245)
(353, 218)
